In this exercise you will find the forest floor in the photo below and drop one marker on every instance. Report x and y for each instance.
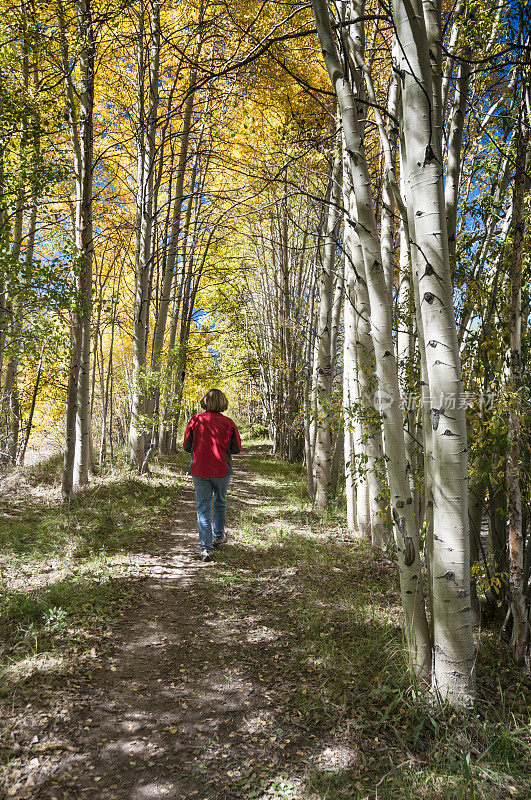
(131, 670)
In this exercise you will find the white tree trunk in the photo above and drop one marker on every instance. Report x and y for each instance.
(454, 655)
(381, 326)
(173, 244)
(144, 255)
(406, 357)
(349, 355)
(323, 447)
(455, 138)
(368, 444)
(83, 135)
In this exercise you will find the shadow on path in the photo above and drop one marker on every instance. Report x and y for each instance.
(192, 700)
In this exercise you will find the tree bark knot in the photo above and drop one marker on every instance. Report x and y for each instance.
(436, 414)
(409, 547)
(429, 155)
(429, 271)
(449, 576)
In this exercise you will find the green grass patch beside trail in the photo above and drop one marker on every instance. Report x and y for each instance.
(65, 572)
(333, 608)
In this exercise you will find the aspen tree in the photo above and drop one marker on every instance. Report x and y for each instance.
(381, 326)
(371, 498)
(147, 130)
(85, 237)
(173, 243)
(80, 113)
(455, 138)
(521, 627)
(349, 354)
(323, 446)
(454, 654)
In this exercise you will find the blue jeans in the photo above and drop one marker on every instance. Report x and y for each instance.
(204, 489)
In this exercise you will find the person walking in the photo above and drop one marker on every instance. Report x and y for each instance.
(211, 438)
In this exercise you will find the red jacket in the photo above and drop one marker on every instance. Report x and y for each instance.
(211, 438)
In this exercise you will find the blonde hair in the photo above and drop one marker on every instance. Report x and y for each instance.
(214, 400)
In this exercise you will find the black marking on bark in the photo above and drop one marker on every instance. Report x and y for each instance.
(462, 593)
(409, 547)
(448, 432)
(429, 271)
(449, 576)
(400, 72)
(353, 156)
(387, 353)
(436, 414)
(419, 213)
(409, 501)
(400, 504)
(430, 503)
(429, 297)
(408, 591)
(409, 557)
(429, 155)
(376, 264)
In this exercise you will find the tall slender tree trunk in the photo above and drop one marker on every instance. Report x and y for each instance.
(476, 506)
(349, 355)
(308, 370)
(147, 130)
(417, 633)
(173, 244)
(67, 484)
(4, 235)
(388, 198)
(323, 447)
(12, 408)
(84, 237)
(371, 499)
(521, 629)
(29, 424)
(406, 356)
(455, 138)
(454, 653)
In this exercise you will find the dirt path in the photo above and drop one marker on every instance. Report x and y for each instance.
(185, 703)
(275, 672)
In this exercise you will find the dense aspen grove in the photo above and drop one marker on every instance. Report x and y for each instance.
(321, 208)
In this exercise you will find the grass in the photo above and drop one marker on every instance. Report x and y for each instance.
(327, 607)
(337, 607)
(64, 572)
